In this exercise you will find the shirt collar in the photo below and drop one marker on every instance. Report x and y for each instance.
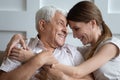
(38, 42)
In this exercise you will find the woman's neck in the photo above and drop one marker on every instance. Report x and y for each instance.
(97, 35)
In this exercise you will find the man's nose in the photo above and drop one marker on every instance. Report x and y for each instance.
(65, 30)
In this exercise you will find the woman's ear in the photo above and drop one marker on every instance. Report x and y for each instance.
(41, 24)
(93, 23)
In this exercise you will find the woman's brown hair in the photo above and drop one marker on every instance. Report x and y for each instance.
(86, 11)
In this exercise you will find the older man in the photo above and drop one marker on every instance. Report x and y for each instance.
(52, 31)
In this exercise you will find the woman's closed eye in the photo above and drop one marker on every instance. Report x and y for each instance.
(76, 29)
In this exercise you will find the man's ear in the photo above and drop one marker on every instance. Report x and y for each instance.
(41, 24)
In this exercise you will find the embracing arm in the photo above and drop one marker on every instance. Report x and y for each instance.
(66, 77)
(104, 54)
(54, 74)
(25, 71)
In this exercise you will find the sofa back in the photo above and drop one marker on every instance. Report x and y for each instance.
(1, 56)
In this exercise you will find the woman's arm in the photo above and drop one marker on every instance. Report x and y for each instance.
(53, 74)
(104, 54)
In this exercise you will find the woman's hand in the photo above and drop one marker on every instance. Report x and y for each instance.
(47, 73)
(16, 39)
(21, 54)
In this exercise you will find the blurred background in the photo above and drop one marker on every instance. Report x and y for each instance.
(17, 16)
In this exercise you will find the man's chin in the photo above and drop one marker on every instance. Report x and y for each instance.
(60, 44)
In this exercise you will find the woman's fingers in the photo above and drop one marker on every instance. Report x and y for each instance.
(16, 39)
(23, 44)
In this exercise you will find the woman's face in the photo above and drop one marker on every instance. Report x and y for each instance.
(82, 31)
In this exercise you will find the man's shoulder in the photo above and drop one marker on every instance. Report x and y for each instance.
(75, 53)
(69, 46)
(31, 40)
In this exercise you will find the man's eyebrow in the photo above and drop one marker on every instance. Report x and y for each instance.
(61, 20)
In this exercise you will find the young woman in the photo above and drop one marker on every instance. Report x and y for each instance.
(101, 49)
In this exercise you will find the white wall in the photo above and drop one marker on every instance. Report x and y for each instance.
(111, 13)
(66, 4)
(17, 16)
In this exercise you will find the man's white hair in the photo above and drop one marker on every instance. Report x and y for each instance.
(47, 13)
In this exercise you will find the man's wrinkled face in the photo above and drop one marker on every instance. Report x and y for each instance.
(56, 30)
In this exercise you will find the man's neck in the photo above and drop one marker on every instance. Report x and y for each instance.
(46, 45)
